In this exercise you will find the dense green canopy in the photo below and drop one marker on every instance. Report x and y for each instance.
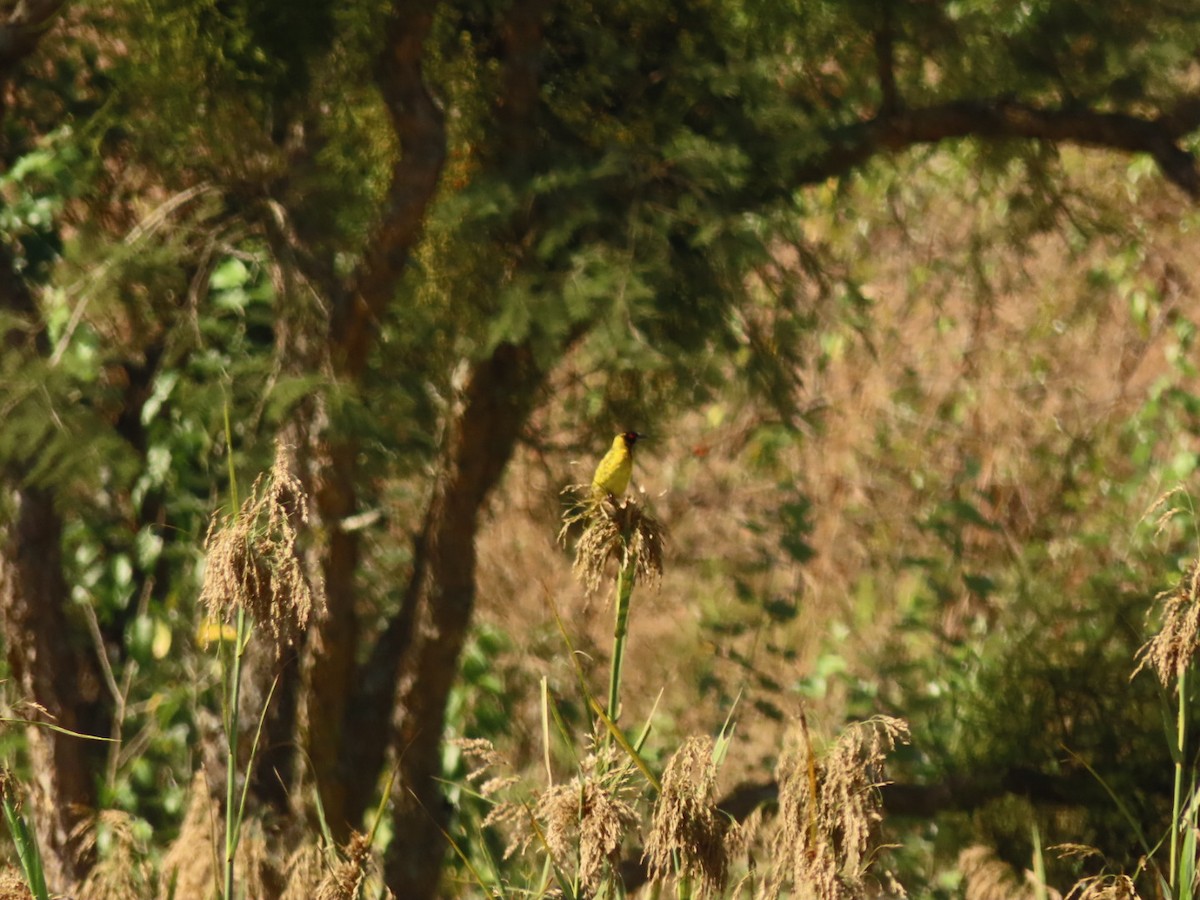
(388, 245)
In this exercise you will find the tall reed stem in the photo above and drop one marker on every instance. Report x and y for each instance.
(233, 825)
(625, 579)
(233, 694)
(1177, 800)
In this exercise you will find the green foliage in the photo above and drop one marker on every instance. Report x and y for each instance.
(188, 191)
(35, 189)
(482, 705)
(25, 842)
(625, 200)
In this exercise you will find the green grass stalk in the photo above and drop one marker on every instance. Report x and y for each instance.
(625, 578)
(232, 806)
(1187, 856)
(1039, 864)
(26, 845)
(1177, 798)
(233, 691)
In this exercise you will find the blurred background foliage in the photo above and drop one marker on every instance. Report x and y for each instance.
(908, 403)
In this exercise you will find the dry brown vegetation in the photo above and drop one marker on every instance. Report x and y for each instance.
(958, 388)
(255, 563)
(986, 389)
(980, 389)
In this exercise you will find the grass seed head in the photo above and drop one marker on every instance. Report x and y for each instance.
(617, 530)
(344, 880)
(690, 837)
(12, 884)
(1104, 887)
(829, 806)
(483, 753)
(582, 823)
(255, 562)
(1171, 650)
(256, 867)
(987, 877)
(190, 863)
(124, 871)
(513, 816)
(304, 871)
(590, 816)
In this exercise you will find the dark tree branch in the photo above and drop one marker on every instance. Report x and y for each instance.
(22, 29)
(497, 402)
(500, 394)
(369, 711)
(507, 379)
(516, 117)
(885, 60)
(419, 127)
(894, 131)
(420, 130)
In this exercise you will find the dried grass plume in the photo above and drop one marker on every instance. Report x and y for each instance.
(582, 823)
(125, 870)
(1104, 887)
(255, 562)
(1170, 651)
(12, 884)
(303, 872)
(689, 836)
(987, 877)
(829, 806)
(189, 867)
(343, 881)
(621, 530)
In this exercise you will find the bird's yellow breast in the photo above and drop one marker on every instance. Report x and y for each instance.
(613, 473)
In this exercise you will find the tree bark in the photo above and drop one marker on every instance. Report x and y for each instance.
(46, 668)
(498, 399)
(330, 672)
(46, 672)
(329, 669)
(897, 128)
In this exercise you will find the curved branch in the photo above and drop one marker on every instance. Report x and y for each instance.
(330, 668)
(885, 61)
(419, 125)
(496, 403)
(20, 32)
(23, 28)
(895, 130)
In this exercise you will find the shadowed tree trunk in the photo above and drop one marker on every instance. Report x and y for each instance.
(46, 668)
(312, 728)
(46, 672)
(330, 673)
(498, 399)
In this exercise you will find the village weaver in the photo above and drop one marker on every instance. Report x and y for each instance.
(612, 475)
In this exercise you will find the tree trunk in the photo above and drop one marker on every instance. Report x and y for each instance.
(499, 397)
(46, 668)
(333, 643)
(331, 656)
(47, 672)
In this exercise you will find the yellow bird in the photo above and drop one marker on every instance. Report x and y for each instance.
(613, 473)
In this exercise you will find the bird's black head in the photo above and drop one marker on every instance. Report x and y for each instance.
(631, 438)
